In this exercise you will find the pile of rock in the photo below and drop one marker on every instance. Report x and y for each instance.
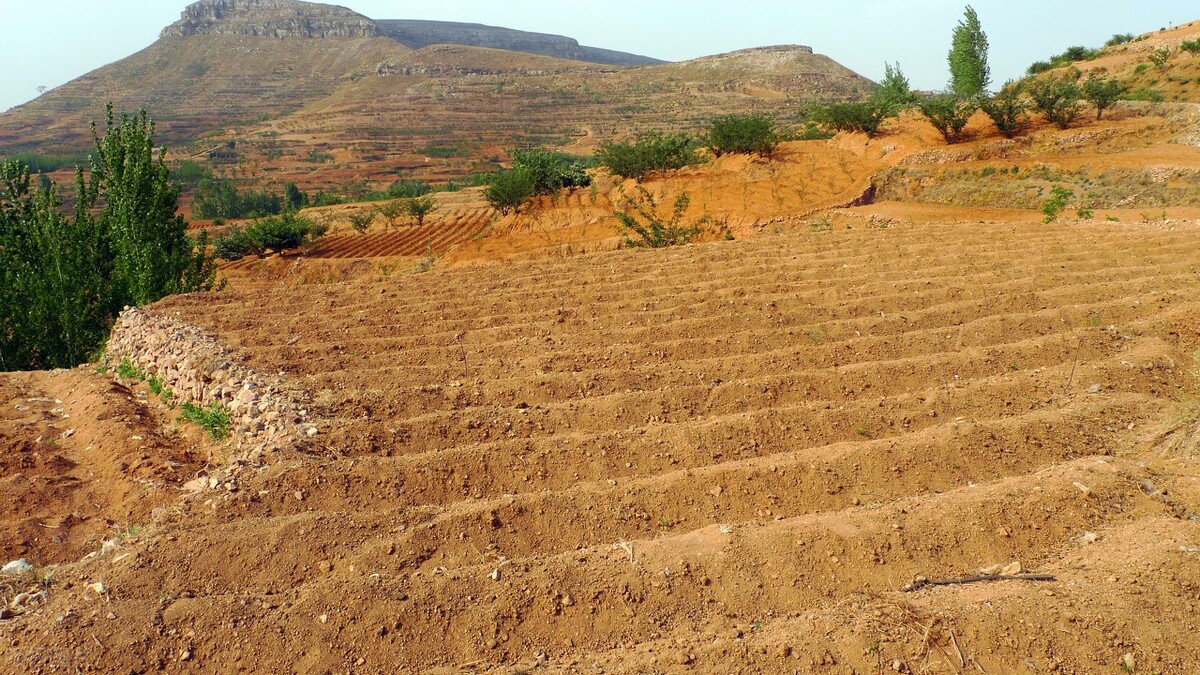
(267, 416)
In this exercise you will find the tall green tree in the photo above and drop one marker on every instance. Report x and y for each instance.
(63, 277)
(894, 93)
(970, 74)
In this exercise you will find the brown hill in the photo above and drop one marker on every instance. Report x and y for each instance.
(1178, 79)
(281, 79)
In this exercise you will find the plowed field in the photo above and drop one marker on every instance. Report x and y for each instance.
(731, 457)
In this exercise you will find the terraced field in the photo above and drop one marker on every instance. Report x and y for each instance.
(730, 457)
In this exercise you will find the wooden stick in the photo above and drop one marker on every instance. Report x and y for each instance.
(972, 580)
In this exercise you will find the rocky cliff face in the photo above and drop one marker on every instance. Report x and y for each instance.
(270, 18)
(418, 34)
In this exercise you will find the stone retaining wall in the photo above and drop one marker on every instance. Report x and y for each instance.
(267, 415)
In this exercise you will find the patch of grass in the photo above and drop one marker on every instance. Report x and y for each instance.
(127, 371)
(214, 419)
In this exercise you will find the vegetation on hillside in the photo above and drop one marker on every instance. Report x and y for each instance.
(649, 152)
(65, 276)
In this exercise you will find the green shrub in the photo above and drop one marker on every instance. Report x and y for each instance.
(361, 220)
(551, 171)
(743, 134)
(948, 114)
(852, 117)
(1191, 46)
(407, 188)
(509, 190)
(1008, 110)
(1071, 55)
(1145, 94)
(420, 207)
(649, 152)
(1057, 98)
(39, 163)
(1119, 39)
(1053, 206)
(276, 233)
(214, 419)
(221, 199)
(1160, 56)
(653, 230)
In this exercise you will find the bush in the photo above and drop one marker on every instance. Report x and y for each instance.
(1057, 99)
(509, 190)
(124, 245)
(221, 199)
(649, 152)
(1069, 56)
(277, 233)
(743, 134)
(1053, 206)
(1008, 109)
(1191, 46)
(419, 207)
(361, 220)
(1119, 39)
(1160, 56)
(655, 231)
(853, 117)
(1145, 94)
(948, 114)
(406, 189)
(1102, 93)
(551, 171)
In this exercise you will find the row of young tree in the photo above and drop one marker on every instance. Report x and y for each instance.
(65, 274)
(1058, 99)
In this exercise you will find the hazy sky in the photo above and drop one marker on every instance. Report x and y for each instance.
(50, 42)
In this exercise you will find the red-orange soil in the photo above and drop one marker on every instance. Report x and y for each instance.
(731, 456)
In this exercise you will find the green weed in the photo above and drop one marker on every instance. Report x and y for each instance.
(214, 419)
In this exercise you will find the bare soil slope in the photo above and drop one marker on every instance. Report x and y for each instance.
(729, 457)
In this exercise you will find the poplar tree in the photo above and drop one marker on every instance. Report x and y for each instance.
(969, 71)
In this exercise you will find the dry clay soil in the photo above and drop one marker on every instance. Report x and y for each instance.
(724, 457)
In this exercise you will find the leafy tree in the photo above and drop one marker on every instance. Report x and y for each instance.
(221, 199)
(1008, 110)
(745, 134)
(948, 114)
(509, 190)
(361, 220)
(1102, 92)
(653, 230)
(150, 246)
(1191, 46)
(649, 152)
(894, 93)
(1119, 39)
(64, 278)
(970, 74)
(393, 211)
(1057, 98)
(294, 199)
(419, 207)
